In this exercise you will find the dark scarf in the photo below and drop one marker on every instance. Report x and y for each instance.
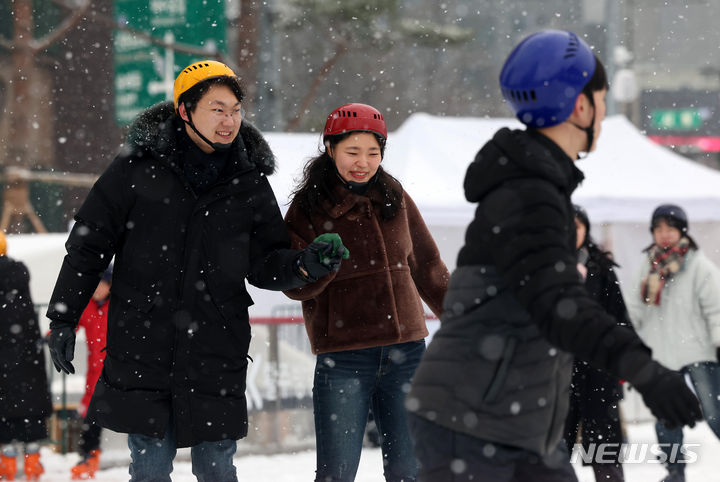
(201, 169)
(664, 263)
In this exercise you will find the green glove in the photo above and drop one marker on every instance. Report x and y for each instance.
(338, 249)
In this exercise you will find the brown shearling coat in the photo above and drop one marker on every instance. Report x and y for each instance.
(375, 298)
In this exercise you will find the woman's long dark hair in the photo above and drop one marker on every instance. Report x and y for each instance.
(596, 252)
(320, 175)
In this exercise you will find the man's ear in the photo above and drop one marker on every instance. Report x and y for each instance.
(183, 112)
(582, 106)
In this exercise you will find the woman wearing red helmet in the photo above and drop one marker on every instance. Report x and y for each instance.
(365, 322)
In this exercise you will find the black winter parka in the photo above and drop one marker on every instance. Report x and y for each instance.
(493, 369)
(595, 393)
(24, 394)
(178, 331)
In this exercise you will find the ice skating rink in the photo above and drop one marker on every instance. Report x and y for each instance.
(300, 466)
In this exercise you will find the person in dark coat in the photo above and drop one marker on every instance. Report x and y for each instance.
(594, 394)
(490, 397)
(187, 211)
(24, 393)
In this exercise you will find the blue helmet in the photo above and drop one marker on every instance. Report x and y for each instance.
(543, 76)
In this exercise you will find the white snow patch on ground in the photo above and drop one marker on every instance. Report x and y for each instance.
(300, 466)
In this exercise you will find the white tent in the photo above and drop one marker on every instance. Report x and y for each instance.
(626, 178)
(629, 176)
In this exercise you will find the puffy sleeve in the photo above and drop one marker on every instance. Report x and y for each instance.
(271, 259)
(99, 225)
(302, 232)
(527, 219)
(707, 285)
(427, 268)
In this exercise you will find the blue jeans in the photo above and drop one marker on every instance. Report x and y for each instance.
(347, 384)
(705, 377)
(449, 456)
(152, 459)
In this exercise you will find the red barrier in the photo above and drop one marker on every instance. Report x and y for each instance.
(288, 320)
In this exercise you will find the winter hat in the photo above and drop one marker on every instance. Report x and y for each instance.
(673, 215)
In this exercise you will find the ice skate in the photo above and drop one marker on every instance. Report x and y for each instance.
(33, 467)
(86, 468)
(8, 467)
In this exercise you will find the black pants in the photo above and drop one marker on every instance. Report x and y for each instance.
(594, 400)
(89, 438)
(448, 456)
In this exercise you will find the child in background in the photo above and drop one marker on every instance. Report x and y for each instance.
(94, 320)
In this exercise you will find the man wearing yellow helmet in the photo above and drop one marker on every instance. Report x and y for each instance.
(188, 214)
(220, 115)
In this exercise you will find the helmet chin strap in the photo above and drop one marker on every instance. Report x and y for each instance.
(590, 130)
(218, 146)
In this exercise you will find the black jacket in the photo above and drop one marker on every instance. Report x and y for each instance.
(602, 284)
(493, 369)
(23, 383)
(178, 331)
(595, 393)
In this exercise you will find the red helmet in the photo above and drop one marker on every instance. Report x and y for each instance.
(355, 117)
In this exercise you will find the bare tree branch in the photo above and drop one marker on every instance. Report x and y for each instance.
(59, 31)
(342, 48)
(176, 46)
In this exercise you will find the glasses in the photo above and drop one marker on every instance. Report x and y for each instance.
(221, 112)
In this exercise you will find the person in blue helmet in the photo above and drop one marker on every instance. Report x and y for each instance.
(490, 397)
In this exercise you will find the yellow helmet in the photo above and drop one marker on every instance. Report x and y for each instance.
(197, 72)
(3, 244)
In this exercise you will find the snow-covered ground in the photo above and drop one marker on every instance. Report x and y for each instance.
(300, 466)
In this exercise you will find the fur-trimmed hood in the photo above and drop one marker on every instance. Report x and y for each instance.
(156, 129)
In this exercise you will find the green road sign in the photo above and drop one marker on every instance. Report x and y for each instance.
(676, 119)
(144, 71)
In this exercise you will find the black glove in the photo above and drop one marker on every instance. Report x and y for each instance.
(670, 399)
(62, 346)
(318, 260)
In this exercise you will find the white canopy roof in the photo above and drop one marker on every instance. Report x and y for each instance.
(625, 179)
